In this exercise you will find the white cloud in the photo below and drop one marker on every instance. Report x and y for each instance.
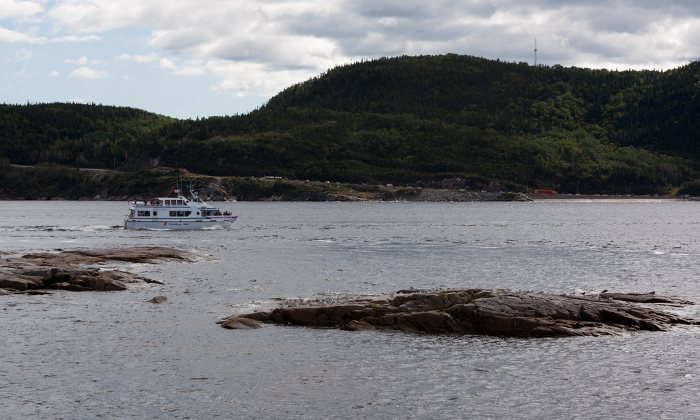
(164, 63)
(54, 74)
(7, 35)
(138, 58)
(244, 78)
(88, 73)
(19, 9)
(79, 61)
(76, 38)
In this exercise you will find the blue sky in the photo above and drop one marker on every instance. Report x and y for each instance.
(190, 58)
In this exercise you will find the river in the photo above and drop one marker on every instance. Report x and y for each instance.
(110, 355)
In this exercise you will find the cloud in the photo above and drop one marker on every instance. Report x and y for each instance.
(75, 38)
(7, 35)
(54, 74)
(137, 58)
(24, 74)
(80, 61)
(22, 54)
(259, 46)
(10, 36)
(164, 63)
(243, 79)
(19, 9)
(88, 73)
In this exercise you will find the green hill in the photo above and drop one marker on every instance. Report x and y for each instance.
(74, 134)
(409, 119)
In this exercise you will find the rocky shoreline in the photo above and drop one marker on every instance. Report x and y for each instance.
(75, 270)
(480, 311)
(147, 183)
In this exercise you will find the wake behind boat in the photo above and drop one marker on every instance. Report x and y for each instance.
(176, 213)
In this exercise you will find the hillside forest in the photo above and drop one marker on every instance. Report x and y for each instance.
(406, 119)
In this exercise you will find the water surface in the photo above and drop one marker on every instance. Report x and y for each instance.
(89, 355)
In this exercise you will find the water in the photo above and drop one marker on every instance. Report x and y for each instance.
(109, 355)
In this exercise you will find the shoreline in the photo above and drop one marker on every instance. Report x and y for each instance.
(492, 197)
(589, 198)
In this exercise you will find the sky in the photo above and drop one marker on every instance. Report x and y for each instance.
(200, 58)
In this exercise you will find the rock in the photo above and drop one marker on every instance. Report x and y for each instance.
(237, 323)
(158, 299)
(482, 311)
(650, 297)
(131, 255)
(66, 270)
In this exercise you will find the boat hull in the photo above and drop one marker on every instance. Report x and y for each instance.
(179, 224)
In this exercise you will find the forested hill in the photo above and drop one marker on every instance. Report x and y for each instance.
(74, 134)
(642, 108)
(416, 118)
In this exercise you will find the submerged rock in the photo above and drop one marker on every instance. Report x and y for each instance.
(158, 299)
(239, 323)
(482, 311)
(66, 270)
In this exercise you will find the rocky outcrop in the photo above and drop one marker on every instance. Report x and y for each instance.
(21, 276)
(141, 254)
(68, 270)
(482, 311)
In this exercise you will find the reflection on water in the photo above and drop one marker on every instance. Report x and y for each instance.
(84, 355)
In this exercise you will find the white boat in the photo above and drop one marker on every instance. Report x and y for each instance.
(176, 213)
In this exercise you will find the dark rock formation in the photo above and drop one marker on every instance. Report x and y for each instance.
(481, 311)
(66, 270)
(27, 276)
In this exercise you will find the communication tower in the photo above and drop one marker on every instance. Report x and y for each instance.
(535, 52)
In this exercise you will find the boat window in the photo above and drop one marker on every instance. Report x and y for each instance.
(143, 213)
(167, 202)
(173, 213)
(217, 213)
(179, 202)
(187, 213)
(155, 213)
(132, 214)
(180, 214)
